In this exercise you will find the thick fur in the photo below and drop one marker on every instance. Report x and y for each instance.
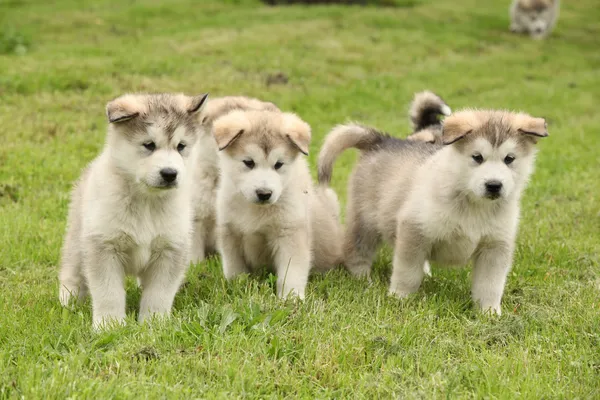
(206, 171)
(268, 212)
(131, 209)
(424, 113)
(534, 17)
(433, 201)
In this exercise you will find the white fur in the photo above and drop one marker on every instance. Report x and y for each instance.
(537, 23)
(458, 228)
(276, 233)
(124, 221)
(205, 182)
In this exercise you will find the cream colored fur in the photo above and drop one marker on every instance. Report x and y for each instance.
(125, 218)
(206, 171)
(297, 226)
(432, 202)
(534, 17)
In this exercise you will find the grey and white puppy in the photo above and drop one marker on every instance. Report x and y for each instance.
(131, 210)
(534, 17)
(268, 211)
(206, 170)
(449, 202)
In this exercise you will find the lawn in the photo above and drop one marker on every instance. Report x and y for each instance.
(61, 61)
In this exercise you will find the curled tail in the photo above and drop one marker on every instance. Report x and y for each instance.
(343, 137)
(425, 110)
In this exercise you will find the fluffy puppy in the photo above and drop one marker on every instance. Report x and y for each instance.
(534, 17)
(449, 203)
(206, 170)
(424, 114)
(131, 210)
(268, 212)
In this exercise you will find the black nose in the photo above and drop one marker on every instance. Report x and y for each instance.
(263, 194)
(538, 30)
(168, 174)
(493, 187)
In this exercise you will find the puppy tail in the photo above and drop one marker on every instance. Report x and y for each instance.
(425, 110)
(343, 137)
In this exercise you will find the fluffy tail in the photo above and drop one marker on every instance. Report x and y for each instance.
(343, 137)
(425, 109)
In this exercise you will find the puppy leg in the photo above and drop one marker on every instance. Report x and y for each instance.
(427, 268)
(106, 280)
(360, 246)
(72, 282)
(230, 246)
(491, 266)
(409, 260)
(516, 28)
(161, 280)
(292, 262)
(198, 242)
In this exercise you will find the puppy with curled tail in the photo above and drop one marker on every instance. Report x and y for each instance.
(449, 202)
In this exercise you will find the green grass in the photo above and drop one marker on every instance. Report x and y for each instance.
(61, 61)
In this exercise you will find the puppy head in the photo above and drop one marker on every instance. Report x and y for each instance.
(151, 136)
(218, 107)
(494, 150)
(259, 151)
(535, 15)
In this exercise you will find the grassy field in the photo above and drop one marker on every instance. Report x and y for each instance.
(61, 61)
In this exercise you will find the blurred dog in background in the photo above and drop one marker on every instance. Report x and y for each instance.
(534, 17)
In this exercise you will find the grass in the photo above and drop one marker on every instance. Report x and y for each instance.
(60, 62)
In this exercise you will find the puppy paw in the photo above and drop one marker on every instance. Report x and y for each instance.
(489, 309)
(427, 268)
(153, 316)
(69, 296)
(107, 322)
(400, 293)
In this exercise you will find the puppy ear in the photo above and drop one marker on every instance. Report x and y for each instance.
(122, 109)
(533, 127)
(457, 126)
(228, 128)
(197, 103)
(297, 131)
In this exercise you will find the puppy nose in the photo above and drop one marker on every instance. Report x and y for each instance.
(493, 187)
(538, 30)
(263, 194)
(168, 174)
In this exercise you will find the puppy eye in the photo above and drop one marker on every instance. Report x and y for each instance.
(180, 147)
(478, 158)
(278, 165)
(249, 163)
(151, 146)
(509, 159)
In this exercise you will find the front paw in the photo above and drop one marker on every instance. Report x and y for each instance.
(233, 270)
(291, 293)
(71, 296)
(107, 322)
(490, 309)
(153, 315)
(400, 293)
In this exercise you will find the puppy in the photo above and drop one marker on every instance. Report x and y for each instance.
(131, 210)
(424, 113)
(268, 212)
(534, 17)
(206, 171)
(448, 203)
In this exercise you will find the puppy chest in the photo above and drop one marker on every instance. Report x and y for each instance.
(454, 251)
(143, 254)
